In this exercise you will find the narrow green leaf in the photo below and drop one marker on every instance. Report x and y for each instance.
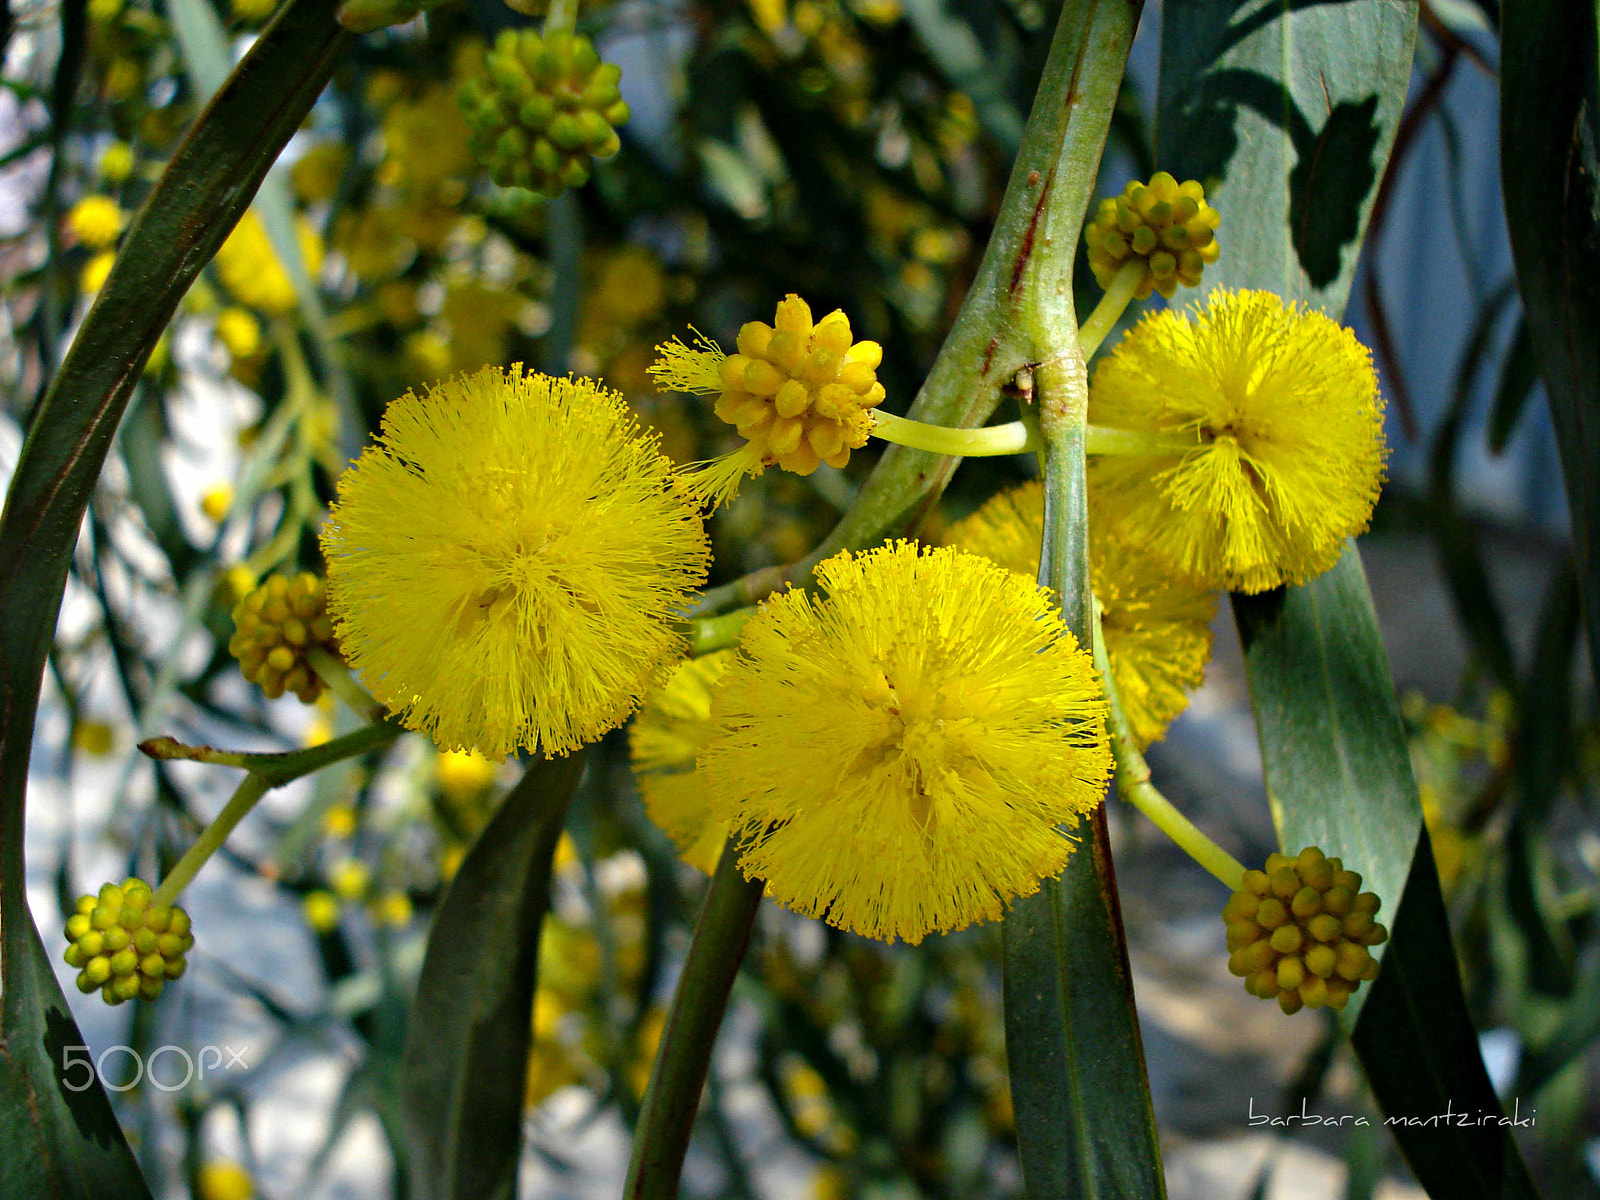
(58, 1135)
(463, 1073)
(63, 1141)
(1286, 112)
(1550, 175)
(1078, 1082)
(1518, 373)
(1339, 776)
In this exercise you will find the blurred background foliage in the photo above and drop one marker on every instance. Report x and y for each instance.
(853, 151)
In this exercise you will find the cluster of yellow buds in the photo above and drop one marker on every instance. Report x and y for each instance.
(124, 945)
(1166, 223)
(273, 626)
(801, 390)
(544, 107)
(1298, 932)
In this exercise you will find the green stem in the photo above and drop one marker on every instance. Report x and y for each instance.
(1111, 307)
(716, 633)
(251, 788)
(279, 769)
(332, 671)
(667, 1115)
(1134, 786)
(984, 442)
(562, 15)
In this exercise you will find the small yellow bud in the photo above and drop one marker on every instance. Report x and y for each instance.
(1166, 223)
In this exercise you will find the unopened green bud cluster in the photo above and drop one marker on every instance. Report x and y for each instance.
(273, 626)
(1299, 931)
(544, 107)
(1166, 223)
(124, 945)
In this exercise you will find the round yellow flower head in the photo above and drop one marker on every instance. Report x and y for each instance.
(799, 392)
(123, 946)
(240, 332)
(96, 271)
(673, 726)
(506, 564)
(251, 271)
(224, 1180)
(544, 107)
(900, 756)
(1298, 931)
(273, 627)
(1166, 223)
(1157, 626)
(95, 221)
(116, 162)
(1287, 458)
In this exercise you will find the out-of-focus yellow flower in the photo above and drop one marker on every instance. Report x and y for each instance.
(463, 774)
(317, 173)
(215, 502)
(630, 287)
(393, 908)
(123, 78)
(94, 738)
(350, 878)
(251, 271)
(426, 138)
(1157, 626)
(222, 1180)
(340, 821)
(95, 272)
(240, 332)
(672, 727)
(116, 162)
(95, 221)
(252, 12)
(321, 910)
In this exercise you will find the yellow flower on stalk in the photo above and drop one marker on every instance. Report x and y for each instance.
(673, 726)
(1157, 626)
(250, 269)
(1287, 451)
(506, 564)
(900, 756)
(798, 391)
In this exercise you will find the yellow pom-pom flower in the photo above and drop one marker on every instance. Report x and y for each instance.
(1299, 931)
(273, 628)
(506, 564)
(251, 271)
(800, 393)
(543, 108)
(1165, 223)
(673, 726)
(95, 221)
(900, 756)
(1286, 423)
(116, 162)
(240, 332)
(1157, 626)
(123, 945)
(223, 1180)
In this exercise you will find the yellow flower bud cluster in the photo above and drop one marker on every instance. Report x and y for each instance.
(273, 625)
(800, 391)
(124, 945)
(543, 108)
(1166, 223)
(1298, 932)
